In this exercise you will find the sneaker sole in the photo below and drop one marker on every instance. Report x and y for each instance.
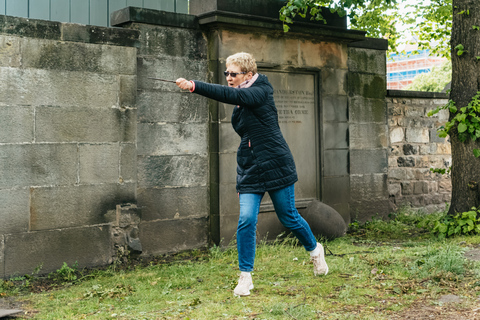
(244, 295)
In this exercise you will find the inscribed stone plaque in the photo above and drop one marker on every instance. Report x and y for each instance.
(294, 95)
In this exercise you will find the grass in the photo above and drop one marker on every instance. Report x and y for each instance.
(376, 271)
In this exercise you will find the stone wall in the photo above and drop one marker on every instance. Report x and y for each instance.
(172, 131)
(67, 141)
(415, 148)
(368, 131)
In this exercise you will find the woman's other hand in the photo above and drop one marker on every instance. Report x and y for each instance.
(184, 84)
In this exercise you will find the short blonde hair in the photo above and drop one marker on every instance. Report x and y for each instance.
(244, 60)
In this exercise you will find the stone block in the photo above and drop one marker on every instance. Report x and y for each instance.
(228, 202)
(368, 161)
(74, 206)
(368, 136)
(434, 136)
(84, 124)
(228, 228)
(367, 85)
(414, 112)
(14, 210)
(420, 187)
(335, 135)
(38, 165)
(156, 106)
(10, 51)
(172, 139)
(268, 226)
(127, 96)
(172, 42)
(160, 237)
(395, 110)
(363, 210)
(335, 108)
(335, 190)
(16, 124)
(80, 57)
(173, 203)
(397, 135)
(409, 149)
(172, 171)
(344, 210)
(99, 163)
(228, 168)
(417, 135)
(335, 162)
(128, 162)
(100, 35)
(407, 188)
(371, 186)
(87, 246)
(368, 61)
(31, 28)
(396, 173)
(229, 139)
(406, 161)
(395, 189)
(324, 221)
(57, 88)
(334, 82)
(363, 110)
(167, 69)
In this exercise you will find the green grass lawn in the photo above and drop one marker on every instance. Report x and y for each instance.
(376, 271)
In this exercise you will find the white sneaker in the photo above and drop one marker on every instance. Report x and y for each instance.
(245, 284)
(319, 263)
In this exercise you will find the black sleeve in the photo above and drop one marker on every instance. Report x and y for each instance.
(251, 97)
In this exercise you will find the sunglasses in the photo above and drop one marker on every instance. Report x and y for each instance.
(233, 74)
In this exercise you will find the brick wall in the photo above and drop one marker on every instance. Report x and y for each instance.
(415, 148)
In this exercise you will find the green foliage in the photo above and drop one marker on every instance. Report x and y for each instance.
(464, 223)
(434, 81)
(431, 24)
(467, 120)
(65, 274)
(376, 17)
(441, 170)
(429, 21)
(118, 291)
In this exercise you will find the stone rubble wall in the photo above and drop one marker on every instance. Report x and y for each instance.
(415, 148)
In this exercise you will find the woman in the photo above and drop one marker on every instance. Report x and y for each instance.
(264, 161)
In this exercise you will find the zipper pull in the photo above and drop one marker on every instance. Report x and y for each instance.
(249, 144)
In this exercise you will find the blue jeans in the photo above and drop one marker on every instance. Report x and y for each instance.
(284, 204)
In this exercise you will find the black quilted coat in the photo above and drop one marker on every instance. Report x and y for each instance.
(264, 161)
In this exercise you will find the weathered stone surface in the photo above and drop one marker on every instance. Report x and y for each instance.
(87, 246)
(14, 211)
(156, 106)
(368, 161)
(335, 190)
(159, 237)
(172, 171)
(76, 206)
(336, 162)
(368, 187)
(173, 203)
(367, 85)
(365, 60)
(336, 135)
(334, 81)
(2, 256)
(417, 135)
(397, 135)
(71, 56)
(10, 51)
(335, 108)
(16, 124)
(84, 124)
(57, 88)
(324, 220)
(25, 165)
(128, 162)
(99, 163)
(368, 136)
(363, 110)
(172, 139)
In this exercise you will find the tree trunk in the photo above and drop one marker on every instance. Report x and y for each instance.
(465, 85)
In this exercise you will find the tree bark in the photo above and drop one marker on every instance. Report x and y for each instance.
(465, 84)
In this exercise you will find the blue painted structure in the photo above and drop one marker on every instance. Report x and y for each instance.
(92, 12)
